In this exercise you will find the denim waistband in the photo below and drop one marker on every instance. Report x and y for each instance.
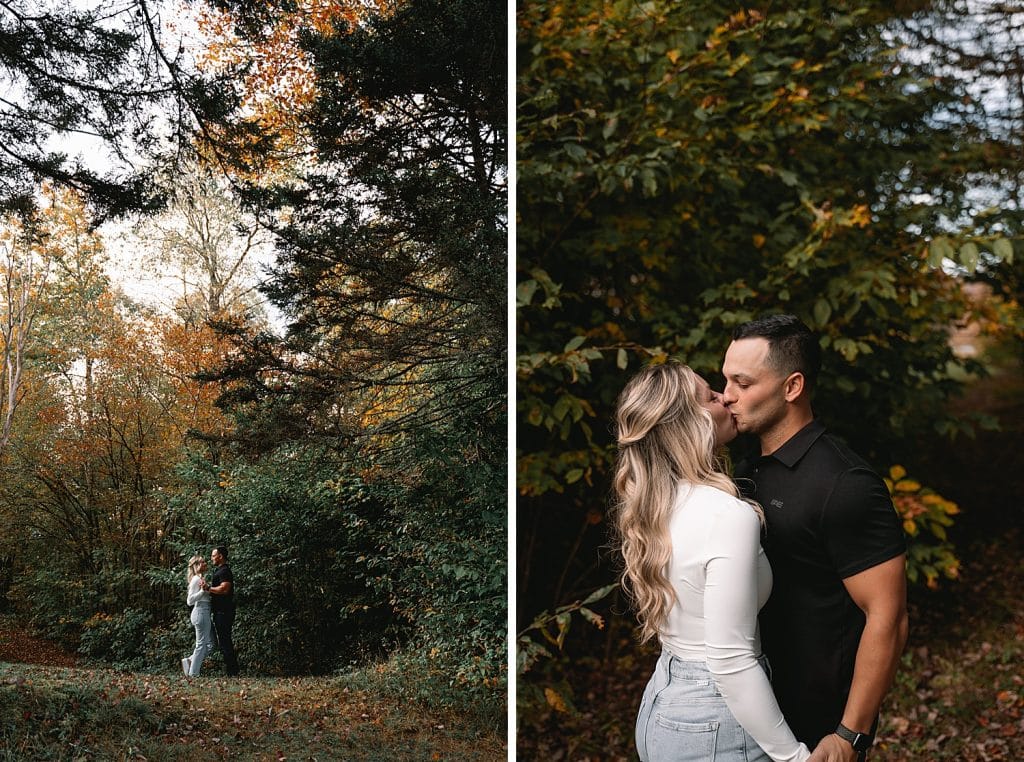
(699, 668)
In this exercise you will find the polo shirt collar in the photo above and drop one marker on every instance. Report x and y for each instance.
(790, 453)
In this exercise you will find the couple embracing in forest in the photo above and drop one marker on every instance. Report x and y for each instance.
(825, 594)
(213, 611)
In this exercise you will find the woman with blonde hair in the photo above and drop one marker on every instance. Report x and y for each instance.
(696, 575)
(199, 599)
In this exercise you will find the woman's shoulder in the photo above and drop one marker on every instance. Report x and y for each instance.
(715, 496)
(718, 501)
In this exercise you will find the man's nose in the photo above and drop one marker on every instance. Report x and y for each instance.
(727, 396)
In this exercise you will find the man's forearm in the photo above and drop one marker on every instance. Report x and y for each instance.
(878, 656)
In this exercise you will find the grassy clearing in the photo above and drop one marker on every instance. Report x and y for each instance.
(60, 713)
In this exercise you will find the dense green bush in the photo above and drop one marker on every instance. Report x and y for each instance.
(441, 561)
(684, 167)
(50, 597)
(164, 645)
(117, 638)
(89, 609)
(335, 568)
(294, 538)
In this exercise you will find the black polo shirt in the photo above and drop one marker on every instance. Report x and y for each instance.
(829, 516)
(222, 602)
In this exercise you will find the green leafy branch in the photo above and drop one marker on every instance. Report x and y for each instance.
(553, 626)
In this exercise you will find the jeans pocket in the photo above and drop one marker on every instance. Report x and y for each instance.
(671, 740)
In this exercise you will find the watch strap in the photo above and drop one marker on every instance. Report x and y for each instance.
(859, 741)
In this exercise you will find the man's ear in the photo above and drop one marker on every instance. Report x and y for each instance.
(793, 386)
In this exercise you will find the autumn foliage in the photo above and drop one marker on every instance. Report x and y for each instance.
(273, 73)
(926, 516)
(108, 401)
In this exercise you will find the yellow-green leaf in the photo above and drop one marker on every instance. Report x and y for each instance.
(1003, 249)
(555, 700)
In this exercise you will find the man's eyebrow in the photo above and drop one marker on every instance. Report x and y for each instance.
(740, 376)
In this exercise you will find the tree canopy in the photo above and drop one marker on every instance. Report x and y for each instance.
(391, 265)
(100, 81)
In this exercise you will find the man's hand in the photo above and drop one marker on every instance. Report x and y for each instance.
(832, 748)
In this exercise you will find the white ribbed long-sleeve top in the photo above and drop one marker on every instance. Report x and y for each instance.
(196, 594)
(722, 579)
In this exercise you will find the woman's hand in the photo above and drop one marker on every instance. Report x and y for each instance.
(832, 748)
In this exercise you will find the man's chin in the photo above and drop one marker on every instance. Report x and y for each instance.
(726, 439)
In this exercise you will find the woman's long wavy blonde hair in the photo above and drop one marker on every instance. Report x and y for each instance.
(666, 436)
(193, 566)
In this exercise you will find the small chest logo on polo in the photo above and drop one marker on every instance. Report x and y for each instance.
(776, 502)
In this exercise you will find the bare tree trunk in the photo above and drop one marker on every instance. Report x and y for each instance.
(21, 282)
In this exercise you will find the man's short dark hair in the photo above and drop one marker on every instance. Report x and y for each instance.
(223, 551)
(791, 345)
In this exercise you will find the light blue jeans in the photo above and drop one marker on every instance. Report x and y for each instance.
(204, 636)
(683, 718)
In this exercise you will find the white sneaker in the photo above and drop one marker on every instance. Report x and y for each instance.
(186, 665)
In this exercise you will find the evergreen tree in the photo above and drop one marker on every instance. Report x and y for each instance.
(391, 264)
(95, 79)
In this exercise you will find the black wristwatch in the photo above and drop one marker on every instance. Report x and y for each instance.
(860, 742)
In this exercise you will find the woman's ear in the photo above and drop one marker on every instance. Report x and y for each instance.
(793, 386)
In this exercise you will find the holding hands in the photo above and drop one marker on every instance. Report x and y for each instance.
(832, 748)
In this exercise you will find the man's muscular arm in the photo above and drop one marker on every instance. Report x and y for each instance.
(881, 593)
(222, 589)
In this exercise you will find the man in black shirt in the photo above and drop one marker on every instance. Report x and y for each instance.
(222, 606)
(836, 622)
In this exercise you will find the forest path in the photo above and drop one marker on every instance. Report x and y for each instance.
(19, 645)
